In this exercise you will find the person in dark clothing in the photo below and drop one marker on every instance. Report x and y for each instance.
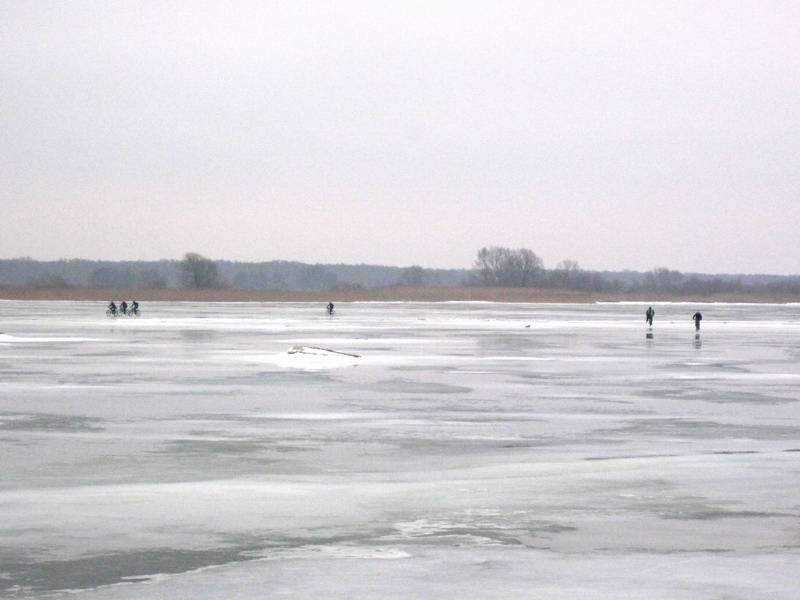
(697, 318)
(135, 307)
(124, 307)
(649, 316)
(113, 308)
(330, 308)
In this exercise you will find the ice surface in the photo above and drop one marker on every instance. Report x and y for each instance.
(461, 453)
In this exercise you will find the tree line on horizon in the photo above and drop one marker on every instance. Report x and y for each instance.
(498, 266)
(494, 266)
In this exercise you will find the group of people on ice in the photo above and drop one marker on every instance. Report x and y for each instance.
(124, 308)
(696, 317)
(133, 309)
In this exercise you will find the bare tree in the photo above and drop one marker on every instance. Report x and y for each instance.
(567, 274)
(498, 267)
(413, 276)
(527, 266)
(663, 279)
(490, 264)
(198, 272)
(568, 265)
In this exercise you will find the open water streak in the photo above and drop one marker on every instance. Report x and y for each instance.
(482, 450)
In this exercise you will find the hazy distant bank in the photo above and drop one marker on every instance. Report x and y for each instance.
(387, 294)
(495, 267)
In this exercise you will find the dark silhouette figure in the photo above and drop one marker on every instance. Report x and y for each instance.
(330, 308)
(113, 308)
(124, 307)
(135, 307)
(649, 316)
(697, 318)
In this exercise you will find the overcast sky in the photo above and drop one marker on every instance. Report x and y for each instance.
(619, 134)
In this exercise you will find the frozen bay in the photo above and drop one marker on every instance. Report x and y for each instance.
(468, 449)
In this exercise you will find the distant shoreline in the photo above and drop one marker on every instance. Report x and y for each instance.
(389, 294)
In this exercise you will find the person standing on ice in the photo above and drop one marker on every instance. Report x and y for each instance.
(697, 318)
(648, 316)
(330, 308)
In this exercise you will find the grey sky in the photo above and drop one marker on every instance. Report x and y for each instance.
(620, 134)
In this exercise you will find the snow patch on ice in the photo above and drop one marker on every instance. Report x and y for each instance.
(329, 416)
(14, 339)
(328, 552)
